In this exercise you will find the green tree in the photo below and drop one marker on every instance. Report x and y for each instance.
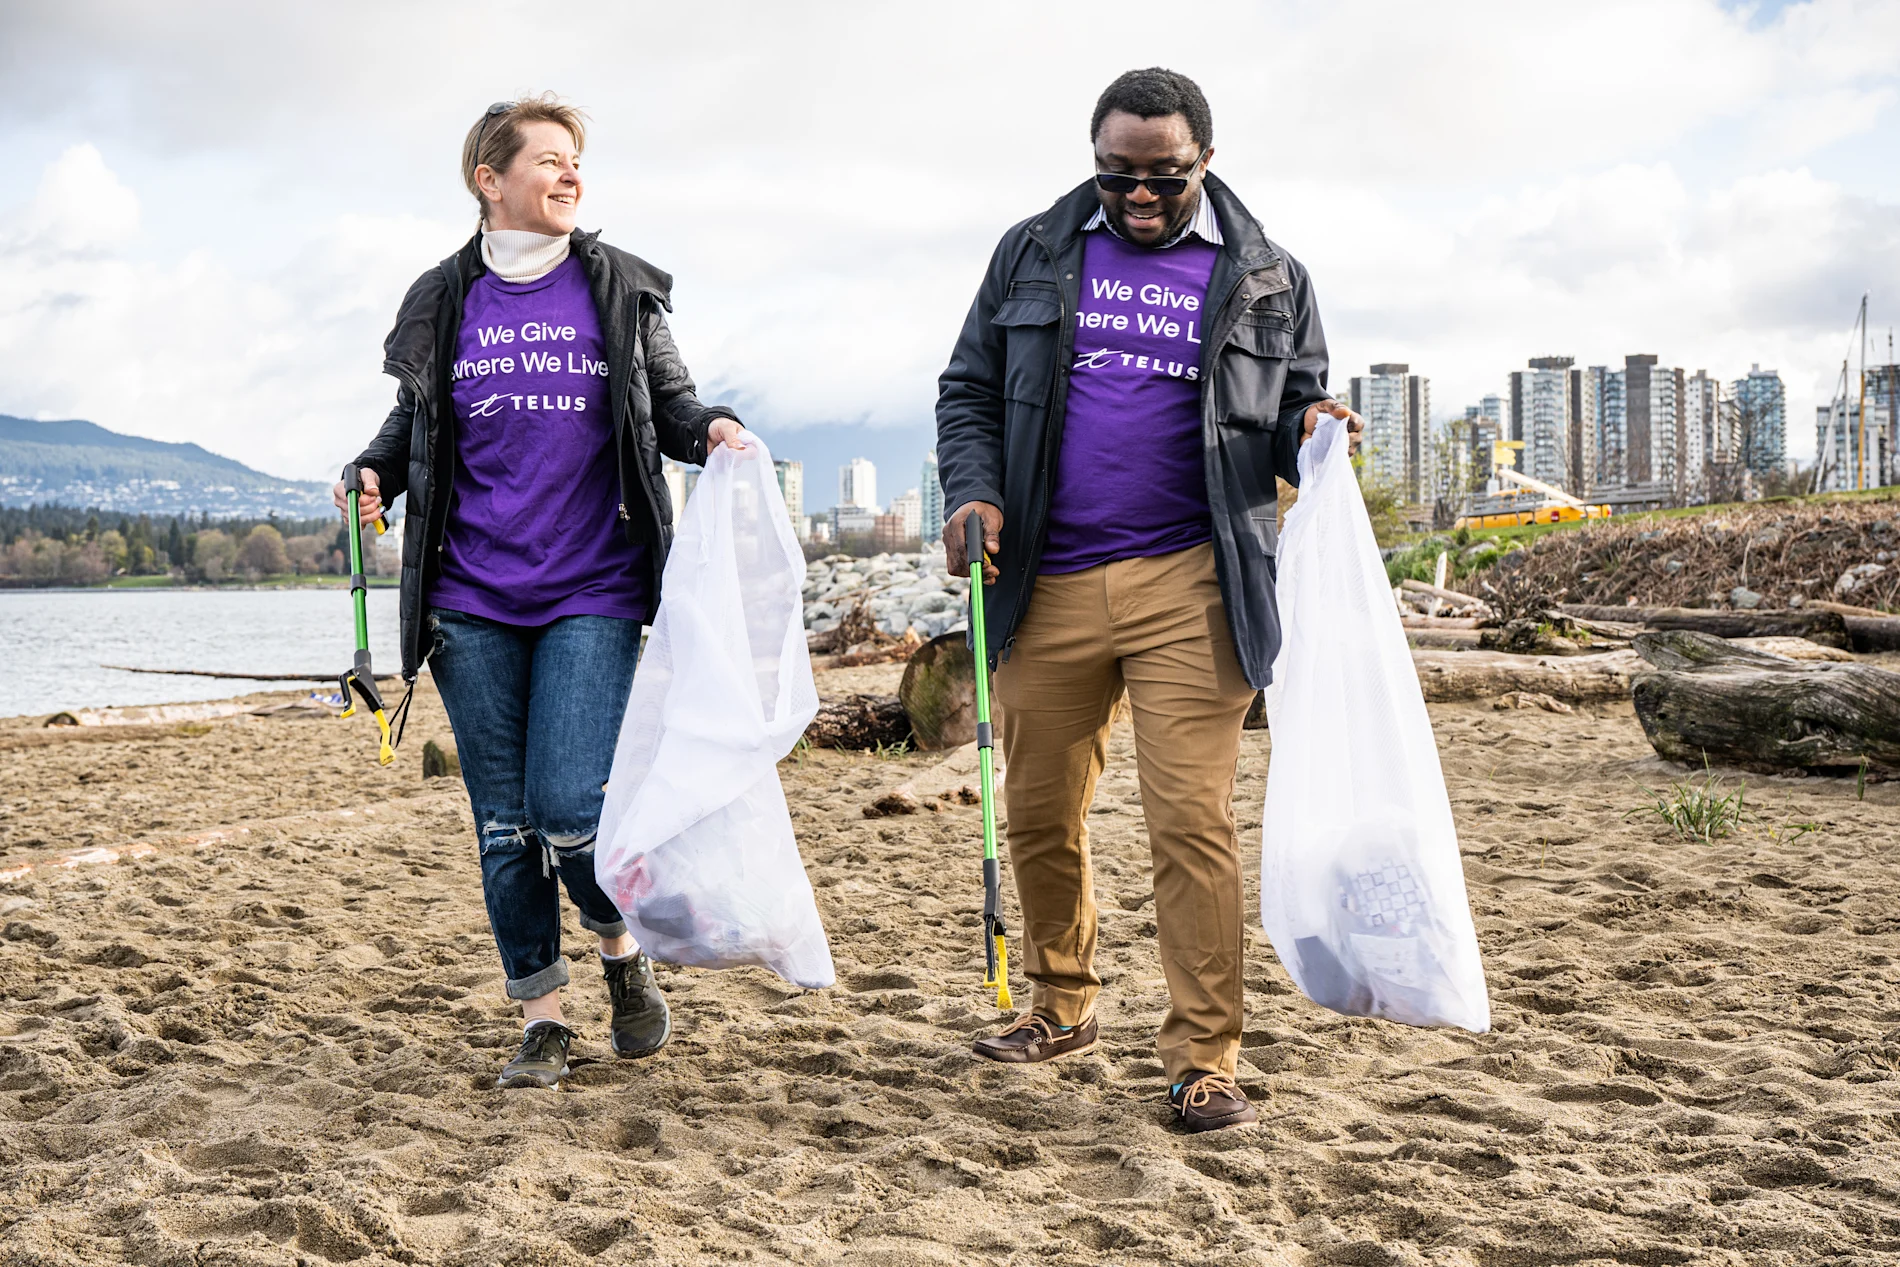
(263, 553)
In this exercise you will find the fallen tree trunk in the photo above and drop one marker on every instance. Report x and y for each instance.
(1460, 675)
(1452, 597)
(1825, 627)
(1439, 622)
(1706, 699)
(939, 692)
(245, 677)
(860, 721)
(1874, 633)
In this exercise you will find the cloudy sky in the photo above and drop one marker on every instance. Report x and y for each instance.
(211, 211)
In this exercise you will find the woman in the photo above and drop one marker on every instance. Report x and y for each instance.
(539, 387)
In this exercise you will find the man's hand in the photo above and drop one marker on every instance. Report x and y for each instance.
(1355, 425)
(369, 505)
(954, 547)
(727, 432)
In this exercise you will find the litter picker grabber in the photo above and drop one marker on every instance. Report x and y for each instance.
(360, 676)
(995, 948)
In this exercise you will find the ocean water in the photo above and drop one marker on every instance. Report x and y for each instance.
(53, 643)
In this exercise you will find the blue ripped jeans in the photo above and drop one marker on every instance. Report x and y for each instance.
(536, 713)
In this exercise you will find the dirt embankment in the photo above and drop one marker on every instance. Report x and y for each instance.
(1781, 553)
(276, 1046)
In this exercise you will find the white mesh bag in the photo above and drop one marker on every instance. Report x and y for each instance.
(1361, 888)
(696, 846)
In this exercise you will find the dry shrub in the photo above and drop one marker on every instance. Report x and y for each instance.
(1780, 550)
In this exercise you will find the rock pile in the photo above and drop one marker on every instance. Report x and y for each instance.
(906, 591)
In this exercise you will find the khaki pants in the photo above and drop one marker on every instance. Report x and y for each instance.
(1156, 627)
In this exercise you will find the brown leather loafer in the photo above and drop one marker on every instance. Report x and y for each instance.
(1033, 1039)
(1210, 1102)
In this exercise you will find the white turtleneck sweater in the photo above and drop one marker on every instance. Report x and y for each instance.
(516, 255)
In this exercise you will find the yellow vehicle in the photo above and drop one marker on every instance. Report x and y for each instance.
(1557, 506)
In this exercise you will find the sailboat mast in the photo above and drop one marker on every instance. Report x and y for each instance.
(1860, 469)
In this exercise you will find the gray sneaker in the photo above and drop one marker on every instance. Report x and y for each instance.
(542, 1060)
(641, 1023)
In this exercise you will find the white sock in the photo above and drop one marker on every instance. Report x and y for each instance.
(539, 1020)
(607, 958)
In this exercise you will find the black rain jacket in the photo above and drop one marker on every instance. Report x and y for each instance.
(1001, 405)
(655, 410)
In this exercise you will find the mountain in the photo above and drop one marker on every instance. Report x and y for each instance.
(74, 463)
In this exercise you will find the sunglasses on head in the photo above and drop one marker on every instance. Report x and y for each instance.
(1159, 186)
(499, 108)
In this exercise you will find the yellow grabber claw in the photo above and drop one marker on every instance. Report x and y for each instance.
(1001, 984)
(388, 753)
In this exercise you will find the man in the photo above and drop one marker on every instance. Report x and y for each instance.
(1139, 364)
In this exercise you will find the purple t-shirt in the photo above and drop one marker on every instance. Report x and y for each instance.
(534, 533)
(1129, 478)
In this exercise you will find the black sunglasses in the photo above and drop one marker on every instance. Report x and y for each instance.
(500, 107)
(1159, 186)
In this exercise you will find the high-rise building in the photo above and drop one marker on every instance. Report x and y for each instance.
(1761, 417)
(791, 483)
(1838, 436)
(1397, 407)
(675, 476)
(853, 521)
(909, 508)
(1483, 430)
(1883, 389)
(1705, 439)
(1586, 424)
(1612, 426)
(1654, 424)
(857, 484)
(930, 486)
(1540, 417)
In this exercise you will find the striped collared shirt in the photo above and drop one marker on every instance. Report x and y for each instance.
(1204, 225)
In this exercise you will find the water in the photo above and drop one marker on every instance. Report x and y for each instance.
(54, 642)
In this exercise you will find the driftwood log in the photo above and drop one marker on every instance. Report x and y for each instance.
(939, 692)
(1825, 627)
(1705, 699)
(245, 677)
(1459, 675)
(859, 721)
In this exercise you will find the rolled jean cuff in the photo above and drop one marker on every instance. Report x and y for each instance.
(536, 984)
(616, 928)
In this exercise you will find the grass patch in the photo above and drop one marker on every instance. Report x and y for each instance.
(1697, 810)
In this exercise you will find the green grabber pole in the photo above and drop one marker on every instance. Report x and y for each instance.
(995, 948)
(360, 675)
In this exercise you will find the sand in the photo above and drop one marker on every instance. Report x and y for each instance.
(267, 1034)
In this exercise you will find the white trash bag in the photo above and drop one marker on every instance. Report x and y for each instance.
(696, 846)
(1361, 888)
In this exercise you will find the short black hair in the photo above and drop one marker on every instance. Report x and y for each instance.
(1152, 94)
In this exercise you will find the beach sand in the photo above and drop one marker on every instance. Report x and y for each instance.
(272, 1038)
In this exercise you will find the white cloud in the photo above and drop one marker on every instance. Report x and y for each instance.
(80, 208)
(1470, 185)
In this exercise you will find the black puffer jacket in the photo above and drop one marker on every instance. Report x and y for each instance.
(656, 411)
(1002, 400)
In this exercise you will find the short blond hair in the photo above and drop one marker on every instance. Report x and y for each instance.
(496, 145)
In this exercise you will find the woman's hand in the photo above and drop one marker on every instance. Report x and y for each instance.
(727, 432)
(369, 504)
